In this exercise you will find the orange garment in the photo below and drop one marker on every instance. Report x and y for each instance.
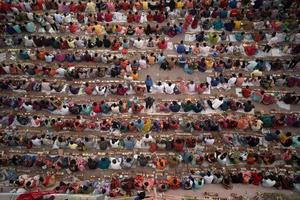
(52, 72)
(135, 76)
(173, 182)
(243, 123)
(41, 55)
(161, 163)
(151, 60)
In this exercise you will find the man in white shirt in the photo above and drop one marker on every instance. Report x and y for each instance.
(169, 88)
(79, 42)
(115, 163)
(58, 17)
(49, 57)
(191, 87)
(36, 142)
(215, 104)
(28, 42)
(67, 18)
(230, 48)
(158, 88)
(64, 110)
(138, 43)
(205, 49)
(273, 41)
(232, 80)
(296, 38)
(208, 178)
(61, 71)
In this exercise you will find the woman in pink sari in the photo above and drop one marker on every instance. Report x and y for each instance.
(182, 86)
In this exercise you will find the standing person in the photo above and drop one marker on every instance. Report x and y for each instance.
(149, 83)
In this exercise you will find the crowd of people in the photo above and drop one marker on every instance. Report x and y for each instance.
(74, 80)
(123, 186)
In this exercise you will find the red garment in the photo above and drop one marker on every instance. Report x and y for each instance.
(250, 50)
(125, 6)
(73, 28)
(178, 145)
(224, 3)
(200, 88)
(195, 23)
(257, 37)
(256, 178)
(159, 18)
(137, 18)
(5, 6)
(80, 17)
(149, 17)
(73, 7)
(39, 4)
(116, 46)
(191, 142)
(121, 91)
(268, 99)
(189, 19)
(153, 147)
(64, 45)
(174, 126)
(89, 90)
(108, 17)
(81, 7)
(97, 108)
(100, 17)
(163, 44)
(130, 18)
(215, 14)
(246, 92)
(233, 12)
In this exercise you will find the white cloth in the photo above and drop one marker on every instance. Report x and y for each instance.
(158, 88)
(36, 142)
(115, 163)
(169, 89)
(273, 41)
(60, 71)
(216, 103)
(209, 141)
(231, 81)
(192, 87)
(208, 179)
(28, 42)
(138, 44)
(115, 144)
(268, 182)
(205, 50)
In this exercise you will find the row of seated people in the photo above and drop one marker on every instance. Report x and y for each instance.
(216, 81)
(133, 106)
(51, 22)
(220, 82)
(133, 35)
(118, 162)
(117, 186)
(122, 65)
(120, 62)
(155, 125)
(168, 29)
(182, 49)
(148, 142)
(125, 5)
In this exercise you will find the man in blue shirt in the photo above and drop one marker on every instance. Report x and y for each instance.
(149, 83)
(181, 48)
